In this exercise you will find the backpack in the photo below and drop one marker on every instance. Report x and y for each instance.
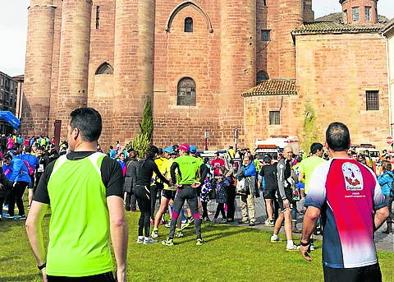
(29, 167)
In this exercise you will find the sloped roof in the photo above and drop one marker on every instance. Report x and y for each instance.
(273, 87)
(333, 27)
(389, 26)
(338, 18)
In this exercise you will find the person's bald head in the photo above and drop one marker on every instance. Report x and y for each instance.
(288, 152)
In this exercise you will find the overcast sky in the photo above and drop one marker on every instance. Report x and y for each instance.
(13, 26)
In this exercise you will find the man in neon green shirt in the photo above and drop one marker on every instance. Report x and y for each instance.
(308, 165)
(187, 167)
(85, 192)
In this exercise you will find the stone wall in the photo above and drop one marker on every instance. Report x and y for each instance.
(38, 67)
(333, 74)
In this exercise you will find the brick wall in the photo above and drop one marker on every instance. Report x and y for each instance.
(177, 55)
(101, 87)
(361, 4)
(74, 58)
(256, 117)
(333, 73)
(38, 67)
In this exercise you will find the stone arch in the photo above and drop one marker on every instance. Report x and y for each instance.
(105, 68)
(184, 5)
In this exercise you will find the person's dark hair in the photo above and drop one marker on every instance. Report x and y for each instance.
(316, 147)
(28, 149)
(387, 166)
(88, 121)
(8, 156)
(338, 137)
(151, 152)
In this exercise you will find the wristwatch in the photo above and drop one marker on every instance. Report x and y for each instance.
(305, 244)
(42, 266)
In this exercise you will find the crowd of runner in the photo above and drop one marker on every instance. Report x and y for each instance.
(152, 184)
(104, 186)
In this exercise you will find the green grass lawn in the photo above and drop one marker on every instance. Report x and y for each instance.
(231, 253)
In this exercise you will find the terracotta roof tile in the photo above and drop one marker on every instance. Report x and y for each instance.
(334, 27)
(273, 87)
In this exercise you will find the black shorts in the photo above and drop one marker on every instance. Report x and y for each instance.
(269, 194)
(168, 194)
(105, 277)
(289, 197)
(369, 273)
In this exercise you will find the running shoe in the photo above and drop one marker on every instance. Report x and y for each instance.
(149, 240)
(8, 216)
(312, 247)
(185, 225)
(140, 240)
(20, 217)
(168, 242)
(252, 224)
(199, 242)
(167, 225)
(275, 238)
(269, 222)
(155, 234)
(293, 247)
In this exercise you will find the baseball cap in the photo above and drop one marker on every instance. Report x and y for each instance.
(184, 147)
(168, 150)
(193, 149)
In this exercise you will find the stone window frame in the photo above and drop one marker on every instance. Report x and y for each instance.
(105, 68)
(188, 24)
(355, 16)
(367, 12)
(266, 35)
(183, 5)
(372, 100)
(186, 87)
(261, 76)
(274, 117)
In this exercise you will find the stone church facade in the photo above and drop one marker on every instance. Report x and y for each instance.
(200, 62)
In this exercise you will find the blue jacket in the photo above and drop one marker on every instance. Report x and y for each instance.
(31, 159)
(249, 170)
(19, 172)
(385, 181)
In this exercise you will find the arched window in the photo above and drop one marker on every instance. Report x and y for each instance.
(186, 95)
(261, 76)
(105, 68)
(188, 24)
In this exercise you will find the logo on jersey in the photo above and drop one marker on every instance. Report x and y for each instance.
(353, 177)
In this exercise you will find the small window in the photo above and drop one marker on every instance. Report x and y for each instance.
(265, 35)
(372, 100)
(186, 95)
(97, 17)
(265, 2)
(261, 76)
(356, 14)
(274, 117)
(345, 16)
(189, 25)
(105, 68)
(368, 14)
